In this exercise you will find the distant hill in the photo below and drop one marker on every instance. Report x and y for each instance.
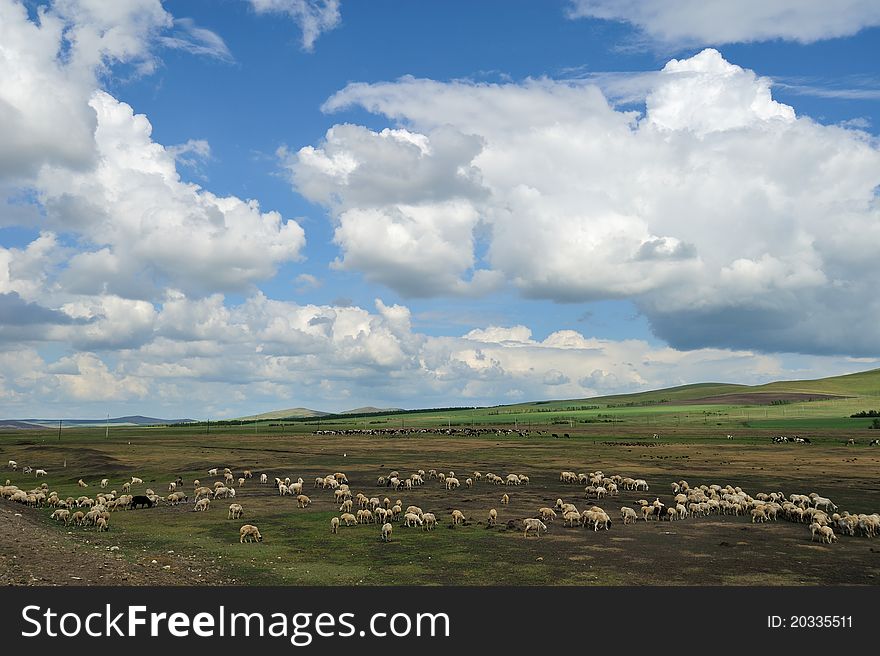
(863, 383)
(368, 409)
(285, 414)
(132, 420)
(13, 423)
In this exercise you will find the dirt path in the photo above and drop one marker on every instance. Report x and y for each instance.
(34, 554)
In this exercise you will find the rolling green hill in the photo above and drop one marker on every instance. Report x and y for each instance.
(289, 413)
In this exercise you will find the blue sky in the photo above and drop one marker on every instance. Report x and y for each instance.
(221, 208)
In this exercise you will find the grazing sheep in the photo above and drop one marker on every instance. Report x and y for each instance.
(140, 500)
(346, 506)
(334, 525)
(468, 482)
(451, 483)
(126, 487)
(547, 514)
(430, 521)
(493, 517)
(597, 516)
(82, 483)
(535, 525)
(826, 533)
(101, 523)
(61, 515)
(411, 520)
(505, 499)
(250, 532)
(40, 472)
(348, 519)
(457, 517)
(647, 511)
(136, 481)
(628, 515)
(570, 517)
(202, 505)
(758, 515)
(241, 481)
(13, 464)
(559, 504)
(105, 482)
(302, 500)
(235, 511)
(264, 479)
(386, 532)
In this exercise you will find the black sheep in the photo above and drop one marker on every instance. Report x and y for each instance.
(141, 500)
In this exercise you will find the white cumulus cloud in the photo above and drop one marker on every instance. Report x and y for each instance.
(716, 22)
(729, 219)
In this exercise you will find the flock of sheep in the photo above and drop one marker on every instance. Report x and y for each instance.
(820, 513)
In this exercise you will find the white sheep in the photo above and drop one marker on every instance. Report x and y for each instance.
(493, 517)
(334, 525)
(202, 504)
(505, 499)
(250, 532)
(302, 500)
(826, 533)
(430, 521)
(411, 520)
(547, 514)
(264, 479)
(348, 519)
(235, 511)
(457, 517)
(40, 472)
(628, 515)
(386, 532)
(535, 525)
(597, 516)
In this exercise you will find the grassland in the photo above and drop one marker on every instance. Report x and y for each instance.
(614, 434)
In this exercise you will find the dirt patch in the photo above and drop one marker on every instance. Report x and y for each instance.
(32, 553)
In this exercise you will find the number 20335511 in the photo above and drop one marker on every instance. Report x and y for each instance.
(810, 622)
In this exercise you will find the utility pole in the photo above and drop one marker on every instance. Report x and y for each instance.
(107, 432)
(59, 429)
